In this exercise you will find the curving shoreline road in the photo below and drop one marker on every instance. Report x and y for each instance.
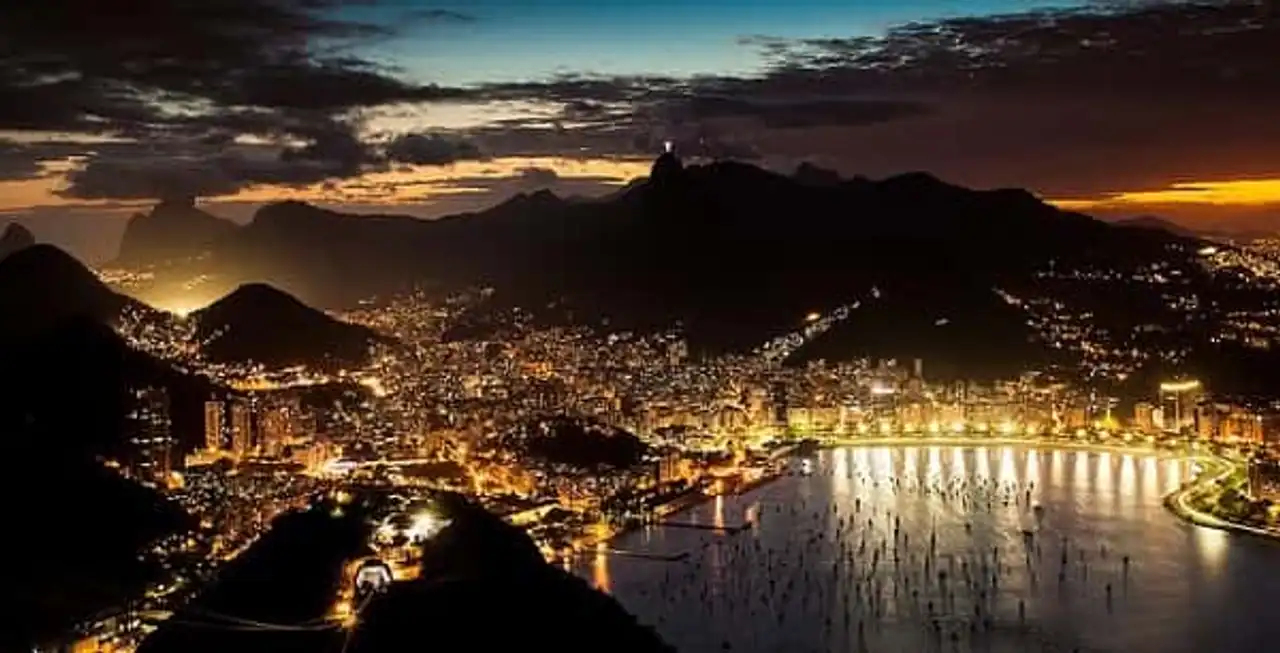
(1213, 470)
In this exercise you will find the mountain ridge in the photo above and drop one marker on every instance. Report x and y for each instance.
(262, 324)
(15, 237)
(42, 285)
(174, 229)
(732, 251)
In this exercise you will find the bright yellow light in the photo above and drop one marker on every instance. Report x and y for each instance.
(958, 427)
(180, 306)
(375, 386)
(1179, 386)
(934, 427)
(813, 317)
(1007, 428)
(1244, 192)
(425, 525)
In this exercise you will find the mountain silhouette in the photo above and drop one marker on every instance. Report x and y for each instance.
(92, 526)
(73, 383)
(1156, 223)
(42, 285)
(735, 253)
(261, 324)
(174, 230)
(16, 237)
(480, 565)
(809, 173)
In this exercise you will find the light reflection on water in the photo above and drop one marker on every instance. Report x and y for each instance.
(795, 581)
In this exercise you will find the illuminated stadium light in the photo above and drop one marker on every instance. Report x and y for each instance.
(426, 525)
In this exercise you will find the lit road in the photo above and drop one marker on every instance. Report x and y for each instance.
(1180, 502)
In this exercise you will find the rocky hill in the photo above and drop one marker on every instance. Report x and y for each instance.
(261, 324)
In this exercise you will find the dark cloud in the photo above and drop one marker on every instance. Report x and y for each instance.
(119, 68)
(460, 194)
(200, 74)
(1135, 47)
(130, 171)
(439, 16)
(431, 149)
(18, 162)
(1108, 96)
(533, 178)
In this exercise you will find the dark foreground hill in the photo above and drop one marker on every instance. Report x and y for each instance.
(76, 532)
(581, 443)
(15, 238)
(484, 587)
(290, 576)
(70, 388)
(42, 285)
(261, 324)
(484, 583)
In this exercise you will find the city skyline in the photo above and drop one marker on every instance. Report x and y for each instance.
(489, 99)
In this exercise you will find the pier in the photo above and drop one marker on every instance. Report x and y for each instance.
(727, 530)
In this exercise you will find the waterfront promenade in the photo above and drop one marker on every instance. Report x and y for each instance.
(1213, 469)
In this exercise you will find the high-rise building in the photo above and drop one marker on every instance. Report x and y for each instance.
(1179, 400)
(278, 423)
(215, 425)
(1207, 419)
(1144, 416)
(150, 438)
(241, 428)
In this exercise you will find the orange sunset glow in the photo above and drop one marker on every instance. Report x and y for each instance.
(411, 185)
(1239, 193)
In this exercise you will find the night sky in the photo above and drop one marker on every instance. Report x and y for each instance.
(429, 108)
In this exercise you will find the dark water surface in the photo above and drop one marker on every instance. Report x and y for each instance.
(842, 560)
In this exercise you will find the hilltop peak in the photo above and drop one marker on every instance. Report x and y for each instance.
(175, 229)
(260, 323)
(16, 237)
(254, 293)
(42, 285)
(815, 175)
(666, 169)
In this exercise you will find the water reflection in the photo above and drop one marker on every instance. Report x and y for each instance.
(1098, 574)
(1212, 545)
(841, 473)
(600, 569)
(1007, 472)
(1129, 491)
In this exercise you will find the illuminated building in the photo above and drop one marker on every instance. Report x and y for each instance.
(1144, 416)
(276, 427)
(215, 425)
(1178, 399)
(1206, 422)
(1240, 425)
(150, 440)
(1264, 479)
(241, 428)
